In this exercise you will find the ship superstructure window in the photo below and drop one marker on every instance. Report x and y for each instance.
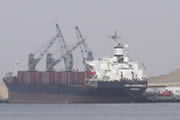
(120, 59)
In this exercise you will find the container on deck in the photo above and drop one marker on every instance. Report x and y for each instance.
(21, 77)
(45, 78)
(40, 78)
(51, 78)
(81, 78)
(59, 78)
(33, 77)
(72, 78)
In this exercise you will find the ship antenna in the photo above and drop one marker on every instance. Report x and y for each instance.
(115, 37)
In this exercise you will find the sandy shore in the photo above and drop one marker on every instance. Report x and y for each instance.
(3, 92)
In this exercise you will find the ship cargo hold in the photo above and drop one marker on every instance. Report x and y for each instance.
(113, 79)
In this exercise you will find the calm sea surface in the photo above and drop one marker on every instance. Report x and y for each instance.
(157, 111)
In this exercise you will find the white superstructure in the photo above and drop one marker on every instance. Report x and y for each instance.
(116, 68)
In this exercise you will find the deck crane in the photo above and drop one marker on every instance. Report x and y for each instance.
(51, 62)
(33, 61)
(63, 44)
(87, 54)
(68, 56)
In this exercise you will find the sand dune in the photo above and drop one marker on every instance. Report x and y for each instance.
(171, 78)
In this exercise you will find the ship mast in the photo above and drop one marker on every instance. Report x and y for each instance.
(115, 37)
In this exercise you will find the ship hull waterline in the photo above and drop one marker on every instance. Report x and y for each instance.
(46, 94)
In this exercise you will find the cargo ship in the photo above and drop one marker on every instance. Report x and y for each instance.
(113, 79)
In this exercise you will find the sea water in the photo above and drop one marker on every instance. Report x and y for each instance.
(147, 111)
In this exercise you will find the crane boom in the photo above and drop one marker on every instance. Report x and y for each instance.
(33, 61)
(50, 44)
(86, 53)
(68, 58)
(63, 44)
(80, 37)
(51, 62)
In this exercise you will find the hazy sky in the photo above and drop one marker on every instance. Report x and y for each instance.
(150, 27)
